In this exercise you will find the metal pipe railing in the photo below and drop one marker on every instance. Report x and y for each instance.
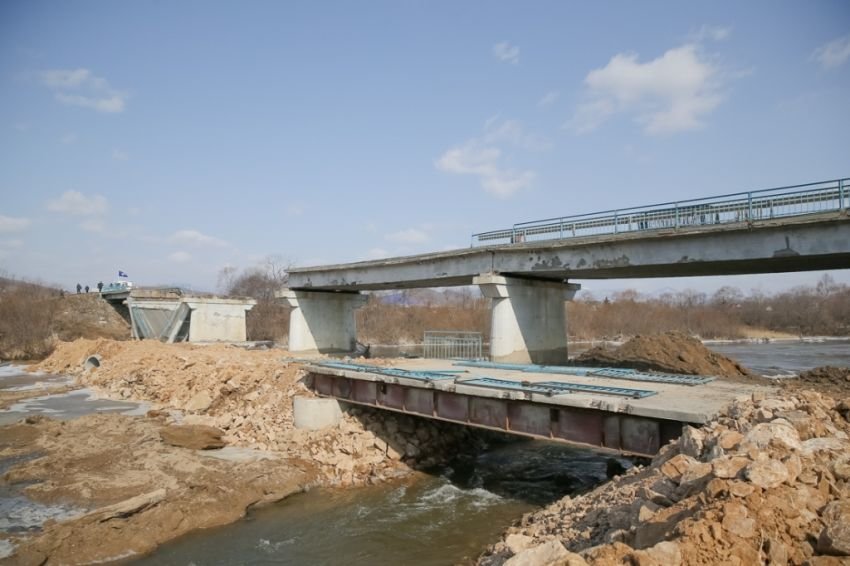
(749, 207)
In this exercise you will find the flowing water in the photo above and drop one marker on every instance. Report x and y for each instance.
(442, 518)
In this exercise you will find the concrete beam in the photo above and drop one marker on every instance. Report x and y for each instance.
(529, 322)
(321, 322)
(812, 242)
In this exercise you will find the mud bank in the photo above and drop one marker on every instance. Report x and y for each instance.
(126, 490)
(768, 482)
(138, 482)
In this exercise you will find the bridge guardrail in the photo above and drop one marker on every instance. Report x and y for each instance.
(750, 207)
(450, 345)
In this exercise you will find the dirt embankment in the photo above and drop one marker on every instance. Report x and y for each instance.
(142, 482)
(133, 490)
(834, 380)
(672, 352)
(767, 483)
(248, 395)
(87, 315)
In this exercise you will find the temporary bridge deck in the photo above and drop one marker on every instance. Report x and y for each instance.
(625, 411)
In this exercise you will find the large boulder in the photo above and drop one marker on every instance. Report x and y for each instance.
(196, 437)
(835, 537)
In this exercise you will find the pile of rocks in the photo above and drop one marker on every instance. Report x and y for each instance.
(247, 395)
(766, 483)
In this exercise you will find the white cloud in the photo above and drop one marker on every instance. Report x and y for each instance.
(713, 33)
(833, 54)
(68, 138)
(548, 99)
(506, 52)
(11, 224)
(483, 157)
(67, 78)
(408, 236)
(77, 204)
(294, 210)
(196, 238)
(180, 257)
(666, 95)
(119, 155)
(80, 87)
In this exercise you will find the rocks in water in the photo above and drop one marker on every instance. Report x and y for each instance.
(546, 553)
(196, 437)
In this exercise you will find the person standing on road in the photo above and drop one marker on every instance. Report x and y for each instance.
(87, 288)
(79, 288)
(100, 286)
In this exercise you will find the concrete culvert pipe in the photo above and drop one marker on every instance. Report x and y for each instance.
(91, 362)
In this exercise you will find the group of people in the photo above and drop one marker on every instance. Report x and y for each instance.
(80, 288)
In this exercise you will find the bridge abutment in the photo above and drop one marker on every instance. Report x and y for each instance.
(529, 321)
(321, 322)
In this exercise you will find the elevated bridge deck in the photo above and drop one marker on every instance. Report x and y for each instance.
(635, 416)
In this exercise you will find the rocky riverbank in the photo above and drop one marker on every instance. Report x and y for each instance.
(137, 482)
(768, 482)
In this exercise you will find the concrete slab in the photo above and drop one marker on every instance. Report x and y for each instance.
(682, 403)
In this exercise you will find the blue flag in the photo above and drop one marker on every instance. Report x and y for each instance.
(122, 274)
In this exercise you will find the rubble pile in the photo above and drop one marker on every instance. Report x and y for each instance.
(766, 483)
(248, 396)
(671, 352)
(833, 379)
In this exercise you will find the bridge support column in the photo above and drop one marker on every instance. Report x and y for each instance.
(321, 322)
(529, 321)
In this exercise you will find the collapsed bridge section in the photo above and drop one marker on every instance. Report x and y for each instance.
(631, 413)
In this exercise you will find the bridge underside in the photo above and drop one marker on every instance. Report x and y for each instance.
(601, 420)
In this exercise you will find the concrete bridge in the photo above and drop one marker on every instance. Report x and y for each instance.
(171, 315)
(526, 269)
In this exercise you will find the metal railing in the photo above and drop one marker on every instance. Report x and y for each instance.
(749, 207)
(451, 345)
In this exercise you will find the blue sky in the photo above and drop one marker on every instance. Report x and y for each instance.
(171, 139)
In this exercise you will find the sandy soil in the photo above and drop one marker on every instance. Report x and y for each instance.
(133, 490)
(672, 352)
(141, 490)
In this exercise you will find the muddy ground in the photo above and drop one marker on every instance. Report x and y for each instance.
(135, 489)
(132, 490)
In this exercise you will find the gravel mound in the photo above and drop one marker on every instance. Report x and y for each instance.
(766, 483)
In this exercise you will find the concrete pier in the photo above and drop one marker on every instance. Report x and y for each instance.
(321, 322)
(529, 321)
